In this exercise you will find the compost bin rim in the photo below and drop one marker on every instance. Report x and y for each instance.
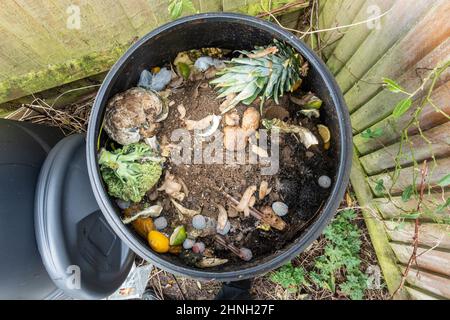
(312, 231)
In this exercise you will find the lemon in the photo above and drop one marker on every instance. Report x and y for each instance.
(178, 236)
(184, 70)
(324, 133)
(158, 241)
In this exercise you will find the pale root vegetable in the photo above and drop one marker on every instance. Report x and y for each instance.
(232, 118)
(264, 189)
(170, 186)
(184, 212)
(182, 111)
(252, 201)
(244, 203)
(200, 124)
(222, 218)
(250, 120)
(234, 138)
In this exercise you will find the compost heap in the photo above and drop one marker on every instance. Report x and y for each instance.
(205, 210)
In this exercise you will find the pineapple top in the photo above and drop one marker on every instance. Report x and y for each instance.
(266, 72)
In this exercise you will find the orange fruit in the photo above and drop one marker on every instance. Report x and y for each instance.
(143, 226)
(158, 241)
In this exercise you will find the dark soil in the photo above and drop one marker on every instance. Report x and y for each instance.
(295, 184)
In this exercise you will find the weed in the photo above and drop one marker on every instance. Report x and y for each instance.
(290, 277)
(339, 265)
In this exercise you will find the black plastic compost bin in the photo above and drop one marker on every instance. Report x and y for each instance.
(54, 240)
(231, 31)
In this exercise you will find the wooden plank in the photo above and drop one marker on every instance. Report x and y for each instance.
(209, 6)
(328, 16)
(381, 106)
(426, 35)
(56, 75)
(392, 128)
(420, 295)
(430, 234)
(395, 207)
(395, 182)
(434, 260)
(434, 142)
(44, 45)
(394, 25)
(377, 232)
(430, 282)
(140, 15)
(344, 16)
(354, 36)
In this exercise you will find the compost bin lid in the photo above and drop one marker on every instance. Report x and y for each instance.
(80, 251)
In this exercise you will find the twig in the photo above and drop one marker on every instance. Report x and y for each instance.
(276, 222)
(329, 29)
(178, 285)
(413, 257)
(297, 5)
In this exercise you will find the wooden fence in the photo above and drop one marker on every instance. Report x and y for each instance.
(409, 40)
(45, 44)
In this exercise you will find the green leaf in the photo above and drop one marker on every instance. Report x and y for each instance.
(445, 181)
(379, 186)
(392, 86)
(175, 8)
(402, 107)
(371, 134)
(440, 208)
(406, 195)
(412, 215)
(188, 6)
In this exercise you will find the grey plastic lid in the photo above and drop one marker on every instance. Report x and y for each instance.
(80, 251)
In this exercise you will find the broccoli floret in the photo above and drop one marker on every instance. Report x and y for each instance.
(131, 171)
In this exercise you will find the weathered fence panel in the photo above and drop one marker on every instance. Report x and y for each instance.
(45, 44)
(410, 39)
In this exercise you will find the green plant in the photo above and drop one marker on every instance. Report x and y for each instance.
(371, 134)
(177, 7)
(379, 186)
(406, 103)
(130, 172)
(290, 277)
(266, 72)
(407, 193)
(338, 266)
(341, 257)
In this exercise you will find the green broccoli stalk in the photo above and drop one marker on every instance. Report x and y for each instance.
(131, 171)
